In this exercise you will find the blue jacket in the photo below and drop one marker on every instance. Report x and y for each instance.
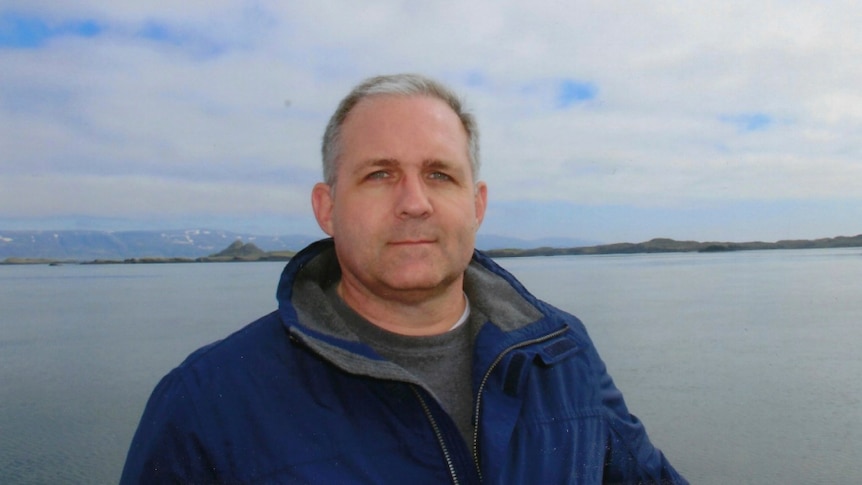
(295, 397)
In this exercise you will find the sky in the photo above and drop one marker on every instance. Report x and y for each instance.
(604, 120)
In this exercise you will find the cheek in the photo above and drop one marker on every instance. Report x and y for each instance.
(467, 219)
(355, 227)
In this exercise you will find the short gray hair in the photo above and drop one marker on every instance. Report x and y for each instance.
(395, 85)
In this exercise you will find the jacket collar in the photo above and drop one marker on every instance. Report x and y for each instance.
(494, 294)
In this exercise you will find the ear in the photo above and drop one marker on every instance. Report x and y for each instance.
(481, 202)
(321, 203)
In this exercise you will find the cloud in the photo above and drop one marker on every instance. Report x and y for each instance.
(598, 104)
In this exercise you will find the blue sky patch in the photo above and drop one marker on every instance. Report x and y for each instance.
(22, 32)
(748, 122)
(195, 43)
(571, 92)
(475, 78)
(19, 31)
(159, 33)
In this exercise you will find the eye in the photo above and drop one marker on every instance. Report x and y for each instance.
(378, 175)
(439, 176)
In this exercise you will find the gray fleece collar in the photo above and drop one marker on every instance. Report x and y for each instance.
(311, 318)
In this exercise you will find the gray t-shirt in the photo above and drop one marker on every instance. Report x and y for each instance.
(442, 362)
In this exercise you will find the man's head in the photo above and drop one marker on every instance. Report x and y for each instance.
(403, 205)
(395, 85)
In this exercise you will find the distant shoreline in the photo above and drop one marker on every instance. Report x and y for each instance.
(664, 245)
(51, 262)
(247, 253)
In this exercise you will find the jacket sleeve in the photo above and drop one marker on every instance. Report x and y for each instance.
(630, 456)
(168, 446)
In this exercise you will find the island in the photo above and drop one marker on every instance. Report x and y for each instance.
(238, 251)
(664, 245)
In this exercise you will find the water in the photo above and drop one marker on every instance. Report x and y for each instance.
(743, 366)
(81, 347)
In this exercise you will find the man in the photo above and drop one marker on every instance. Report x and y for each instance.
(398, 353)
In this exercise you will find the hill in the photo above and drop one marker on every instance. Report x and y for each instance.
(107, 245)
(188, 243)
(663, 245)
(238, 251)
(42, 247)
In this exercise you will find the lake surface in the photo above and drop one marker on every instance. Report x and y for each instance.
(744, 366)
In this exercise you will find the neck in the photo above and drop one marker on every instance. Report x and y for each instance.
(408, 313)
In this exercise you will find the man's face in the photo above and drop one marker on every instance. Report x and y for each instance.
(405, 209)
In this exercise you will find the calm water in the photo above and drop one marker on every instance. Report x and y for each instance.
(743, 366)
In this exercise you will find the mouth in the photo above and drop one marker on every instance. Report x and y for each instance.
(411, 242)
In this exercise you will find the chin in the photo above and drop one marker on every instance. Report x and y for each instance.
(415, 284)
(421, 281)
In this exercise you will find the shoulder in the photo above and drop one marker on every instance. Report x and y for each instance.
(227, 359)
(207, 401)
(266, 334)
(221, 371)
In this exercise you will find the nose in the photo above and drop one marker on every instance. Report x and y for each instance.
(413, 200)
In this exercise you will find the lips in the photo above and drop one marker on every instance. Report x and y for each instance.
(411, 242)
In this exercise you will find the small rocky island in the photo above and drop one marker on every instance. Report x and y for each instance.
(236, 252)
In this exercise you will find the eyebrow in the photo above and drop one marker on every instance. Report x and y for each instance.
(432, 163)
(376, 163)
(437, 164)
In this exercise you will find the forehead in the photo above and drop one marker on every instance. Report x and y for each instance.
(393, 123)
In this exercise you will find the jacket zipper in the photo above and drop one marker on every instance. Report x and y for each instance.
(439, 436)
(485, 378)
(448, 456)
